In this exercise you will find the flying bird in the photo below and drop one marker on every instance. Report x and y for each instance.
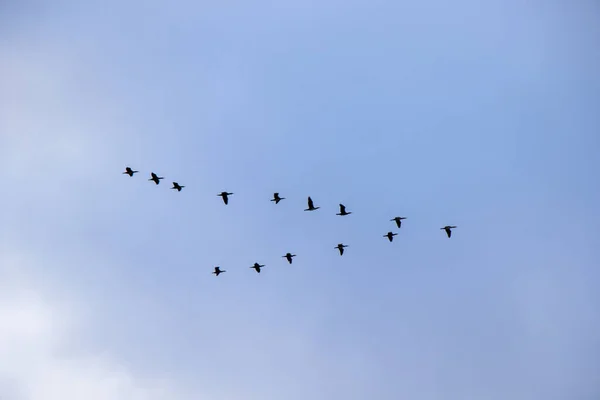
(129, 171)
(390, 236)
(217, 271)
(224, 196)
(276, 198)
(398, 221)
(155, 178)
(257, 267)
(289, 257)
(177, 186)
(311, 206)
(448, 230)
(343, 210)
(340, 247)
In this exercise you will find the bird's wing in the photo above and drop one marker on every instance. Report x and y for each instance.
(310, 202)
(342, 208)
(225, 199)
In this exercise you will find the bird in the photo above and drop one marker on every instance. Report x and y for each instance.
(224, 196)
(343, 210)
(311, 206)
(289, 257)
(177, 186)
(257, 267)
(390, 236)
(129, 171)
(398, 220)
(340, 247)
(276, 198)
(217, 271)
(155, 178)
(448, 230)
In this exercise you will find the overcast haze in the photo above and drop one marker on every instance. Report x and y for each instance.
(478, 114)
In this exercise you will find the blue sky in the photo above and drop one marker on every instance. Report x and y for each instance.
(478, 115)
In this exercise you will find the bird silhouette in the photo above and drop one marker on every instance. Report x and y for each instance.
(129, 171)
(155, 178)
(276, 198)
(398, 221)
(289, 256)
(218, 271)
(340, 247)
(311, 205)
(177, 186)
(257, 267)
(390, 236)
(343, 210)
(448, 230)
(224, 196)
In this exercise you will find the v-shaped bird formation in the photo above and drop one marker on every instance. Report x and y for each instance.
(276, 199)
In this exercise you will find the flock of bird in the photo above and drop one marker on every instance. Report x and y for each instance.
(277, 198)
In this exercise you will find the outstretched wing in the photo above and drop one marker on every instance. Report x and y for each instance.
(342, 209)
(310, 203)
(225, 199)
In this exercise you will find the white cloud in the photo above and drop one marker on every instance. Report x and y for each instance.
(36, 362)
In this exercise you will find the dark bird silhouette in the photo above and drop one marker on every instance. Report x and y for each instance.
(398, 221)
(129, 171)
(343, 210)
(217, 271)
(390, 236)
(448, 230)
(177, 186)
(289, 257)
(340, 247)
(224, 196)
(257, 267)
(276, 198)
(155, 178)
(311, 205)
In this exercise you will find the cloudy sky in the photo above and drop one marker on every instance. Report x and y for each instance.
(478, 114)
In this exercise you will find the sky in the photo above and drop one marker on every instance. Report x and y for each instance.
(482, 115)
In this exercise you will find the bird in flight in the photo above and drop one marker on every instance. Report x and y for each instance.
(217, 271)
(177, 186)
(398, 221)
(129, 171)
(448, 230)
(257, 267)
(276, 198)
(390, 236)
(311, 205)
(343, 210)
(289, 256)
(340, 247)
(155, 178)
(224, 196)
